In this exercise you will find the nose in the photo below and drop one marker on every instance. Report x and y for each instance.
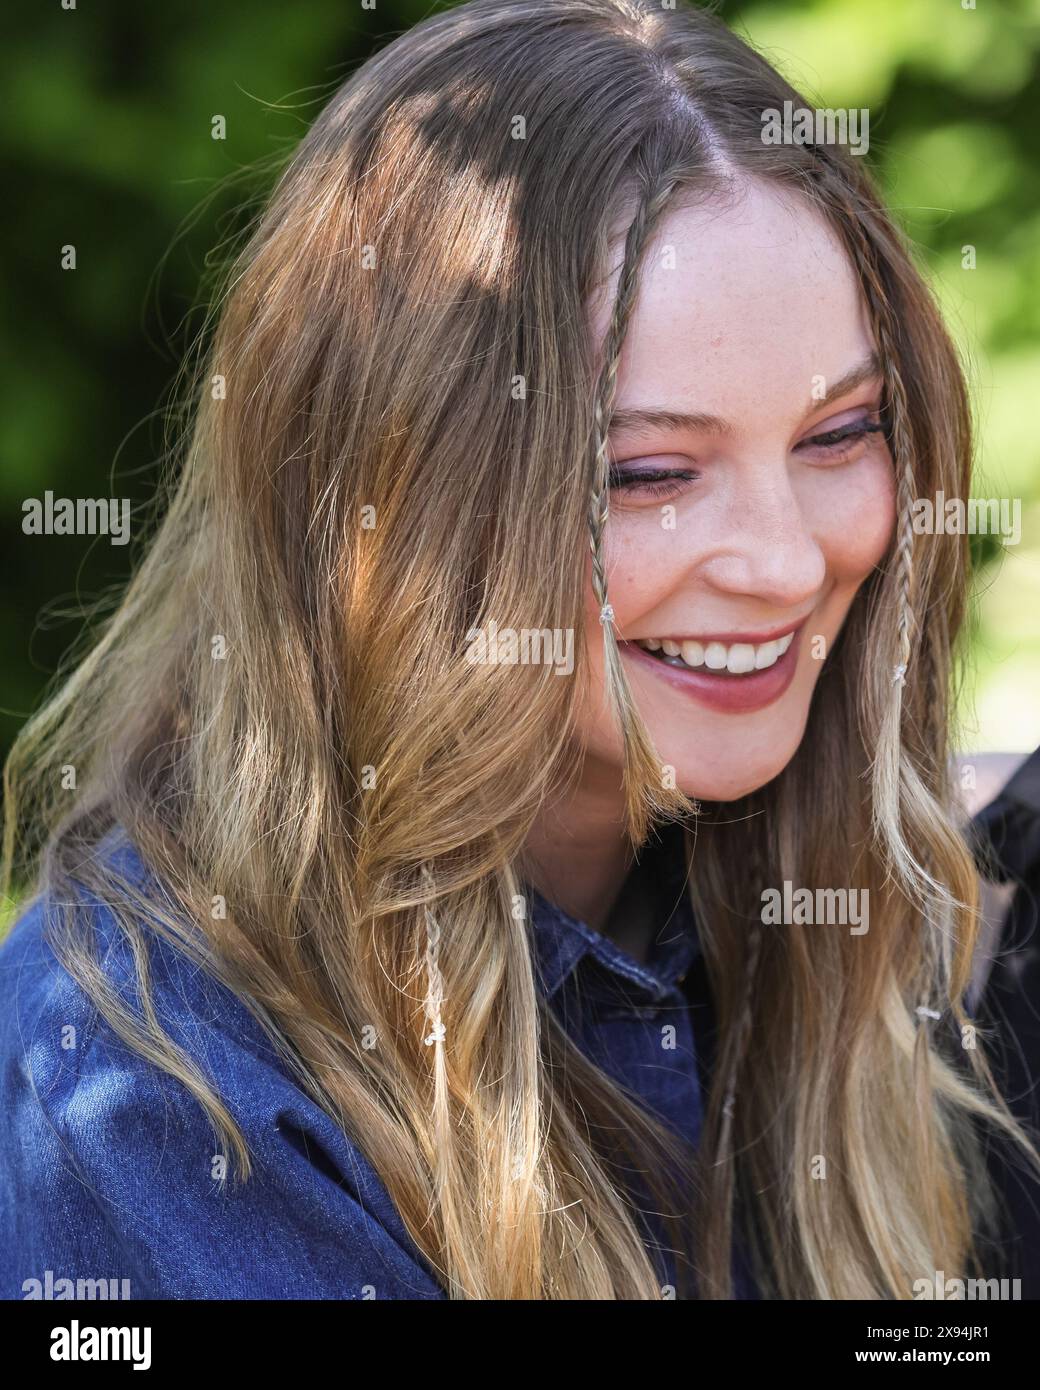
(765, 548)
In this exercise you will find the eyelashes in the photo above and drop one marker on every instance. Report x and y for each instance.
(652, 482)
(853, 432)
(833, 446)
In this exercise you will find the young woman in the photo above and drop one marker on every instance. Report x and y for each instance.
(381, 948)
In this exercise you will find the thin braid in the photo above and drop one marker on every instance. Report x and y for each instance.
(643, 799)
(902, 444)
(646, 216)
(926, 1010)
(434, 978)
(904, 501)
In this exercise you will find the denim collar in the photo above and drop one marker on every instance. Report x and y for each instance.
(561, 941)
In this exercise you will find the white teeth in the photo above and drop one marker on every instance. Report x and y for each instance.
(766, 655)
(738, 659)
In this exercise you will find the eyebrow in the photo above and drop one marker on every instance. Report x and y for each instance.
(678, 421)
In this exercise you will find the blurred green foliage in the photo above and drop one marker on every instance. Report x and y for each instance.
(107, 137)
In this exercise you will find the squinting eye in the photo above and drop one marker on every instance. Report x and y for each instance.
(651, 482)
(842, 440)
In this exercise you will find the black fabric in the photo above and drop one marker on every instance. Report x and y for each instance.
(697, 989)
(1006, 842)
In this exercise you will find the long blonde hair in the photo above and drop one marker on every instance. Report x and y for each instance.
(400, 434)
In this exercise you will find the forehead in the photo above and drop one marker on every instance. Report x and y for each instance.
(741, 303)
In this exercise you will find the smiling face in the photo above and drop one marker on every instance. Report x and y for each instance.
(752, 489)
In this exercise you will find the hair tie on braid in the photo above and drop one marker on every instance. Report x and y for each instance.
(606, 614)
(923, 1011)
(435, 980)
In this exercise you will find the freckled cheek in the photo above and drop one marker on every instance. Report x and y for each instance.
(641, 570)
(854, 517)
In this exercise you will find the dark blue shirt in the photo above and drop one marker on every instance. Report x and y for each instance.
(108, 1166)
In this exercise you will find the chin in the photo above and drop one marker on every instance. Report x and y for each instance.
(722, 788)
(728, 779)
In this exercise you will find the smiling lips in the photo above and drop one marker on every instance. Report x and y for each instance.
(735, 677)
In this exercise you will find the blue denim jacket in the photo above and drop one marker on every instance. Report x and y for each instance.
(107, 1165)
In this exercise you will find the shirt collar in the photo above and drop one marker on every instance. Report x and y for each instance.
(562, 941)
